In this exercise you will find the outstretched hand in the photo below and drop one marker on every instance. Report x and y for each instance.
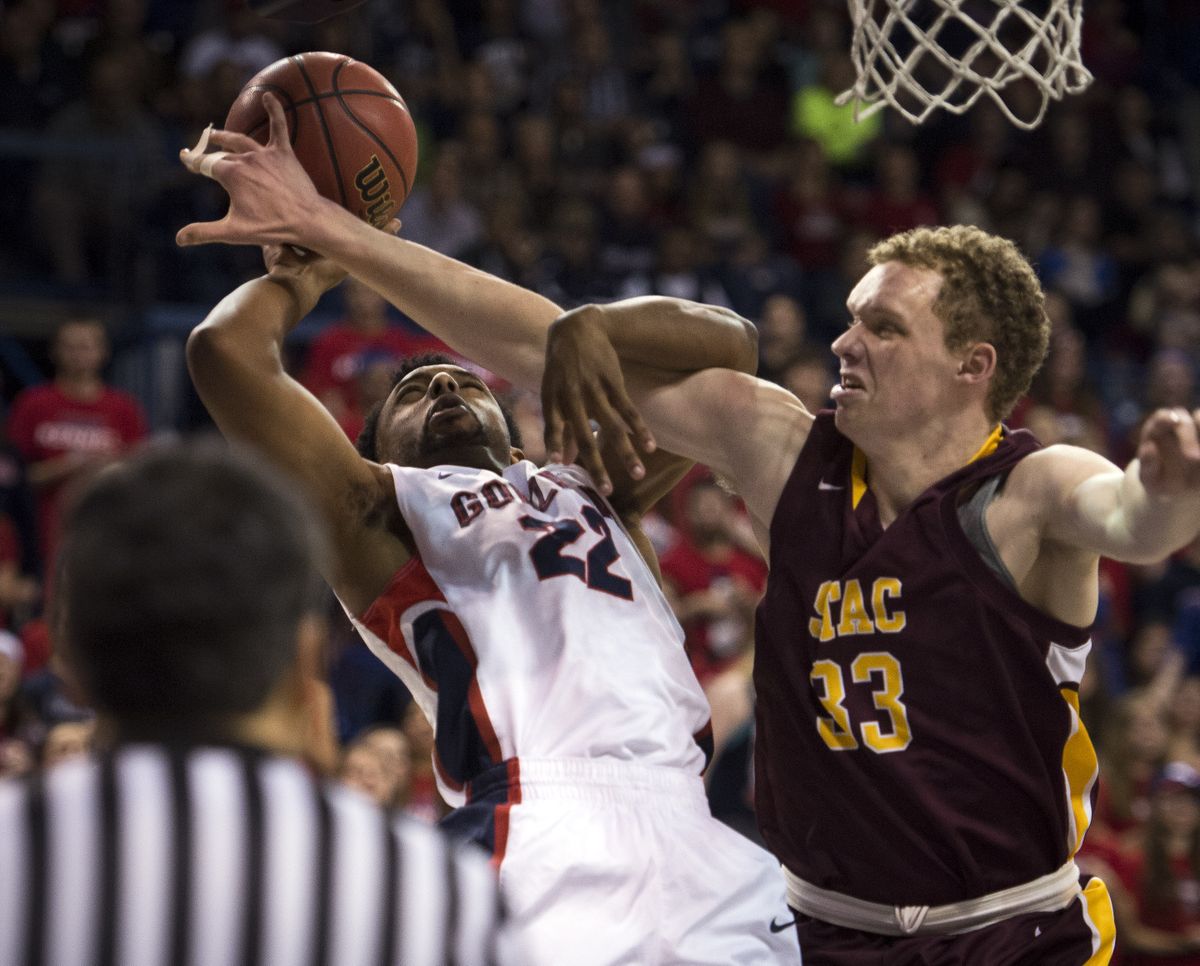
(272, 200)
(1169, 453)
(583, 380)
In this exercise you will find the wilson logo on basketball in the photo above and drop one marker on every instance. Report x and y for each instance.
(375, 192)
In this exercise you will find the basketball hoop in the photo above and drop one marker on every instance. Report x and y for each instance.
(920, 56)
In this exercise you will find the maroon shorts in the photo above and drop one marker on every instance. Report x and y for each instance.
(1081, 934)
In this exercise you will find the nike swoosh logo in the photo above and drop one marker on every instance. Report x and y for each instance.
(442, 476)
(780, 927)
(828, 486)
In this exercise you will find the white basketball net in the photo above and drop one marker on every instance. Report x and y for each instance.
(903, 63)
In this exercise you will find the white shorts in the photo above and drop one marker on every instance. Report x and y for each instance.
(609, 863)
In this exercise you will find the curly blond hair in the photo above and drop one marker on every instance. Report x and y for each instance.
(989, 294)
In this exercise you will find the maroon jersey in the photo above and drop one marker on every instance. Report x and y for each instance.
(918, 733)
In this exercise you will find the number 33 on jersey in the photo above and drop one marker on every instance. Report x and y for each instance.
(844, 611)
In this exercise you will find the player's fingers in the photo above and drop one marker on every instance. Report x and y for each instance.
(1175, 432)
(589, 453)
(569, 450)
(632, 418)
(552, 433)
(393, 227)
(232, 141)
(617, 436)
(204, 233)
(1150, 464)
(199, 160)
(277, 121)
(1185, 432)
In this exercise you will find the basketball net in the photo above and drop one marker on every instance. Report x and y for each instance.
(920, 56)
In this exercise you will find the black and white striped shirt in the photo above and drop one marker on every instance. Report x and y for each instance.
(216, 856)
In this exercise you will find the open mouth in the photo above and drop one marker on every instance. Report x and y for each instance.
(848, 384)
(450, 422)
(446, 408)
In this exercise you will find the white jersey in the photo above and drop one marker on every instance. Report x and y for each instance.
(527, 625)
(568, 725)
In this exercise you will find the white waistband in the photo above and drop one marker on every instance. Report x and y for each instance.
(607, 780)
(1047, 894)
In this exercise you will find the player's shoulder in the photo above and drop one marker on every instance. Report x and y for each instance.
(1041, 485)
(1054, 467)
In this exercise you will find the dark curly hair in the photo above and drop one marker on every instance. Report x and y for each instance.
(367, 445)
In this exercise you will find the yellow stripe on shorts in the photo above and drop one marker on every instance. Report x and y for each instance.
(1098, 913)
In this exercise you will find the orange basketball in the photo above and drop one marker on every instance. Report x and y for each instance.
(348, 125)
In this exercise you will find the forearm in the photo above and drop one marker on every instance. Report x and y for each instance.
(669, 334)
(1151, 527)
(256, 317)
(1114, 515)
(237, 350)
(491, 321)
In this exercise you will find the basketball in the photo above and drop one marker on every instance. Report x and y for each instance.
(348, 125)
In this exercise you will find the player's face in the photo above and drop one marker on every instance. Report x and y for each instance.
(894, 366)
(439, 415)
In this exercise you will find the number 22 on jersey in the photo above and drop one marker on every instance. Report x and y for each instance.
(551, 558)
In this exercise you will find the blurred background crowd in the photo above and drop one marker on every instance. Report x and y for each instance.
(594, 150)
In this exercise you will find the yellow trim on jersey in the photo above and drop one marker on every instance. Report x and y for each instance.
(1098, 911)
(989, 444)
(1081, 769)
(858, 464)
(858, 477)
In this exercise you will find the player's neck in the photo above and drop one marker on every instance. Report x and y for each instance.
(85, 388)
(900, 469)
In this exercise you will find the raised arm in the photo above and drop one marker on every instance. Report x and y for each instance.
(1139, 515)
(688, 368)
(586, 349)
(500, 325)
(235, 359)
(748, 431)
(489, 320)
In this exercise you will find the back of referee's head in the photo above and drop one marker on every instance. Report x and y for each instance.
(189, 589)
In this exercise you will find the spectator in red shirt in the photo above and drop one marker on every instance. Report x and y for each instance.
(714, 580)
(1158, 901)
(70, 427)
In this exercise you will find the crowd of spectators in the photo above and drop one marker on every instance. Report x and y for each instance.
(594, 150)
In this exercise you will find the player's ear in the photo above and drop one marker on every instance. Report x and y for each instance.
(979, 363)
(515, 455)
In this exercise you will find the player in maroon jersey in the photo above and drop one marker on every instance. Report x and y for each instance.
(922, 771)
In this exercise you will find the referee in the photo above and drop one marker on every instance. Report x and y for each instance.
(190, 605)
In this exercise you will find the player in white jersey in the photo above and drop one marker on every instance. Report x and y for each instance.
(514, 601)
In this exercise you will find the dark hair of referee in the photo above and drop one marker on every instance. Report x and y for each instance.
(191, 597)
